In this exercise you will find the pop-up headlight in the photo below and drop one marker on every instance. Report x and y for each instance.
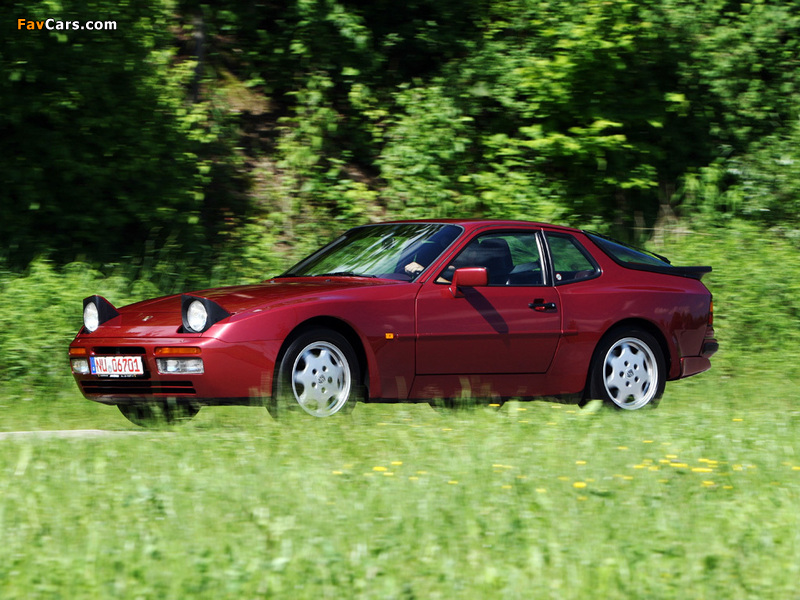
(96, 311)
(198, 314)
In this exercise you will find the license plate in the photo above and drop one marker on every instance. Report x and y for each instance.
(116, 366)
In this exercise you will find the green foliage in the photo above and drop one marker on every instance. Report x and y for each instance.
(104, 153)
(752, 267)
(40, 313)
(183, 131)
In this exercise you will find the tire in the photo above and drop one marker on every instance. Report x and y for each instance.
(319, 373)
(628, 370)
(158, 412)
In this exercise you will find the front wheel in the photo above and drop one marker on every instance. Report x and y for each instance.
(628, 370)
(319, 373)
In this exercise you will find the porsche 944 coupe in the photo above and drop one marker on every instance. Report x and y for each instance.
(429, 311)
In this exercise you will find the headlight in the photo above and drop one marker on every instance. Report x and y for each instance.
(196, 316)
(96, 311)
(91, 317)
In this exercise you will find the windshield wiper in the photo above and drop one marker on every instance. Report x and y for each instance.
(343, 274)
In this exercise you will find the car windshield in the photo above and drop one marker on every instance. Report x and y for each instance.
(394, 251)
(627, 254)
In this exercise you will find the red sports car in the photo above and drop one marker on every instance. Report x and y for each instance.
(433, 311)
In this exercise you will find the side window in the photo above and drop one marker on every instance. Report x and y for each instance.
(510, 258)
(570, 261)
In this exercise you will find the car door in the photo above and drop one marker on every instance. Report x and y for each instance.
(511, 325)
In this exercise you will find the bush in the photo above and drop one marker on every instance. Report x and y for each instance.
(756, 288)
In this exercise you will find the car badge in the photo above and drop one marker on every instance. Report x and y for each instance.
(147, 318)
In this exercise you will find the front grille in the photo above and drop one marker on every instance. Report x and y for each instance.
(124, 387)
(118, 350)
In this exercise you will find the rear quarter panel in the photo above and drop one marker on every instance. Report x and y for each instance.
(677, 307)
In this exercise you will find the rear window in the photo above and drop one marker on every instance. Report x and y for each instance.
(624, 253)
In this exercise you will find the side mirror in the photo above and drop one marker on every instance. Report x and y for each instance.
(468, 277)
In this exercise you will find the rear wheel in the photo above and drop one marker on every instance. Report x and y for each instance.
(158, 412)
(628, 370)
(319, 373)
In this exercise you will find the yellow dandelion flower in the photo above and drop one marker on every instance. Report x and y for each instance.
(647, 441)
(622, 447)
(672, 456)
(422, 472)
(541, 490)
(737, 420)
(708, 483)
(679, 465)
(446, 429)
(580, 462)
(579, 485)
(453, 482)
(552, 423)
(582, 498)
(397, 463)
(388, 474)
(702, 470)
(506, 487)
(336, 472)
(653, 468)
(413, 478)
(795, 468)
(379, 469)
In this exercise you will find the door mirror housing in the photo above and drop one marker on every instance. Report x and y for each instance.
(468, 277)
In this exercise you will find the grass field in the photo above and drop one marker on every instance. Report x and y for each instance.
(697, 499)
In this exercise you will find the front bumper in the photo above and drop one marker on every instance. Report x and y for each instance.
(238, 373)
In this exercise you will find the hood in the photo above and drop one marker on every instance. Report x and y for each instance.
(268, 294)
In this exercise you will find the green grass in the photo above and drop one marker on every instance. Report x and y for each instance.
(697, 499)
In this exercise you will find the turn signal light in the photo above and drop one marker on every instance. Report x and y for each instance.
(175, 351)
(78, 352)
(711, 314)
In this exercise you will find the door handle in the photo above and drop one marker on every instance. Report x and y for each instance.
(539, 305)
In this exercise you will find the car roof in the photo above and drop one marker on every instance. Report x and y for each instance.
(473, 224)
